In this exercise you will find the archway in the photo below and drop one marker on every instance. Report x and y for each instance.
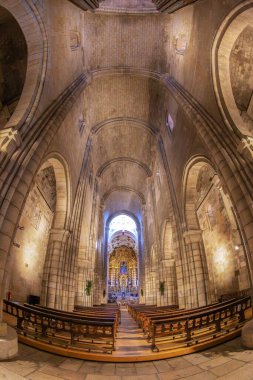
(122, 251)
(233, 68)
(30, 49)
(13, 65)
(217, 252)
(170, 296)
(44, 212)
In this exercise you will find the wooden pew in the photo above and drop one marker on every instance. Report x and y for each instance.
(99, 308)
(239, 294)
(57, 329)
(146, 318)
(90, 315)
(198, 326)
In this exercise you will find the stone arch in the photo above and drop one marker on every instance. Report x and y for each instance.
(228, 35)
(59, 232)
(105, 165)
(169, 275)
(28, 18)
(137, 238)
(167, 240)
(212, 238)
(13, 65)
(43, 208)
(190, 178)
(63, 198)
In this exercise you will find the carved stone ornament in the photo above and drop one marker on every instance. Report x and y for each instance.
(10, 141)
(245, 147)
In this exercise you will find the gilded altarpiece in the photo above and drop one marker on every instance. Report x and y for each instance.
(123, 273)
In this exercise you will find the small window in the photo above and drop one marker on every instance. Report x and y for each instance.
(170, 125)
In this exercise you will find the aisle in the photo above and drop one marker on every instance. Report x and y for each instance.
(130, 339)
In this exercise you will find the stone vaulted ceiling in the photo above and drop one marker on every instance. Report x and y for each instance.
(125, 102)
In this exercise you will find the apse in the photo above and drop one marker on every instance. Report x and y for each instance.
(122, 253)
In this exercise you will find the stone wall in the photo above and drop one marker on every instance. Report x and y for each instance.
(31, 239)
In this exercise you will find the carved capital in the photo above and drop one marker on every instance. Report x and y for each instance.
(193, 236)
(245, 147)
(10, 141)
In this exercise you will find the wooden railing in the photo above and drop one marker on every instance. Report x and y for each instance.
(145, 318)
(239, 294)
(199, 326)
(65, 329)
(139, 312)
(98, 309)
(88, 313)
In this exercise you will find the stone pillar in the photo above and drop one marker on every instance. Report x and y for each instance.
(106, 258)
(197, 294)
(142, 255)
(53, 276)
(157, 270)
(169, 276)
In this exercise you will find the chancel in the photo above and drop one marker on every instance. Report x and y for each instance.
(126, 177)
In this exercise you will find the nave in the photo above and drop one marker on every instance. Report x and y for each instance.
(131, 333)
(126, 177)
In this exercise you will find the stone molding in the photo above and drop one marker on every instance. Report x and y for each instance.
(86, 5)
(170, 6)
(128, 159)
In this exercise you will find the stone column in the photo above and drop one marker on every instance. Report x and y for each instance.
(169, 276)
(53, 270)
(197, 293)
(142, 256)
(99, 278)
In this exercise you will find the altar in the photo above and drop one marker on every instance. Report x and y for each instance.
(123, 274)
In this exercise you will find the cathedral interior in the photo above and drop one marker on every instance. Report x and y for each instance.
(126, 187)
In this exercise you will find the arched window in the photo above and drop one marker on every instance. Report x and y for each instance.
(122, 222)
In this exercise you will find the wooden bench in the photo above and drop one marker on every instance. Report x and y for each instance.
(197, 326)
(90, 313)
(89, 316)
(147, 318)
(141, 311)
(106, 309)
(58, 328)
(239, 294)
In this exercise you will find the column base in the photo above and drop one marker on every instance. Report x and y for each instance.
(9, 344)
(247, 334)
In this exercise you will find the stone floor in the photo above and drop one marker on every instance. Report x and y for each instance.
(229, 361)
